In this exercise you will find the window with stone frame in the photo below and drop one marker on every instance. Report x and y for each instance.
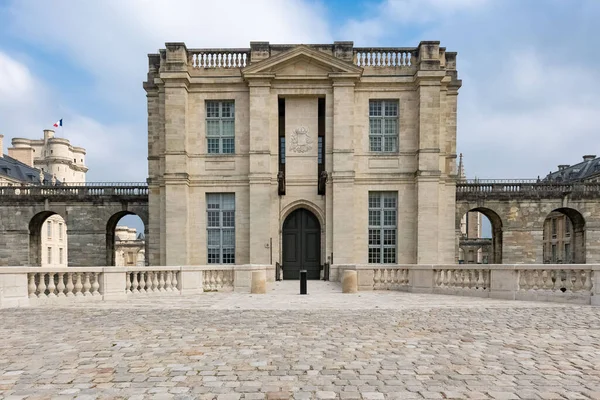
(383, 126)
(383, 232)
(220, 127)
(220, 227)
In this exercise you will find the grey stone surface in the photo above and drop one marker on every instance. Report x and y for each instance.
(375, 345)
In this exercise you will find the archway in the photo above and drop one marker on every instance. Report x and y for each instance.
(125, 240)
(48, 245)
(481, 236)
(564, 237)
(301, 245)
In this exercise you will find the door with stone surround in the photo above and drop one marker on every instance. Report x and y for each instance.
(301, 237)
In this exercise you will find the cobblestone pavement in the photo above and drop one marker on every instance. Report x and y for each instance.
(327, 345)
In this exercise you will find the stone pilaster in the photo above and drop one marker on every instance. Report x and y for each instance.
(176, 190)
(343, 172)
(429, 224)
(259, 176)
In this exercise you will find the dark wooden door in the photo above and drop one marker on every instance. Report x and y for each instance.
(301, 245)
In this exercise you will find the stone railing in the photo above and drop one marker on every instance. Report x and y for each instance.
(217, 280)
(568, 283)
(91, 189)
(385, 56)
(553, 282)
(62, 283)
(24, 286)
(501, 190)
(469, 280)
(218, 58)
(148, 280)
(390, 278)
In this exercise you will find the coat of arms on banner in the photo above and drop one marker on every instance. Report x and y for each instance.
(301, 142)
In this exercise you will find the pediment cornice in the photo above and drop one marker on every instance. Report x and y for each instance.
(324, 66)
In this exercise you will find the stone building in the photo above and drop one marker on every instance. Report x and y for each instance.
(129, 247)
(302, 154)
(47, 161)
(558, 227)
(53, 155)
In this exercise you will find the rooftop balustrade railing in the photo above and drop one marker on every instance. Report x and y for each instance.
(385, 56)
(218, 58)
(78, 189)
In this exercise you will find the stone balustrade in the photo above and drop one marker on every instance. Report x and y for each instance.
(45, 285)
(390, 278)
(395, 57)
(466, 190)
(24, 286)
(463, 279)
(569, 283)
(151, 280)
(139, 190)
(218, 58)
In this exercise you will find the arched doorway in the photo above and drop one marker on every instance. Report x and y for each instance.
(564, 237)
(301, 240)
(125, 240)
(48, 240)
(491, 225)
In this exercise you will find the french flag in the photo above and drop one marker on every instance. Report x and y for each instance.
(58, 123)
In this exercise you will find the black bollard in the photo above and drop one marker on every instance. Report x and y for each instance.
(303, 281)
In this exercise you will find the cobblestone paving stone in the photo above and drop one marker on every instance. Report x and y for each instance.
(371, 346)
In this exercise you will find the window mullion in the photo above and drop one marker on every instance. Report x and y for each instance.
(381, 227)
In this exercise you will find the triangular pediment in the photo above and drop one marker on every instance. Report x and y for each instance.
(302, 62)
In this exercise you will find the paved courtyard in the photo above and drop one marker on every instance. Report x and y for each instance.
(327, 345)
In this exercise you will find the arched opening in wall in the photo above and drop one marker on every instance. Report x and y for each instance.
(125, 240)
(564, 237)
(48, 246)
(480, 240)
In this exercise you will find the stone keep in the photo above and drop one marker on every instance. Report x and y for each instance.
(343, 80)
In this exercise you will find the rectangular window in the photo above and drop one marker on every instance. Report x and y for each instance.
(49, 230)
(60, 231)
(49, 255)
(383, 125)
(567, 253)
(220, 225)
(553, 226)
(553, 254)
(567, 227)
(220, 127)
(382, 227)
(60, 255)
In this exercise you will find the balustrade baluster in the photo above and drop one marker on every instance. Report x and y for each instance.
(569, 282)
(86, 284)
(32, 287)
(70, 286)
(535, 278)
(51, 285)
(78, 285)
(168, 283)
(557, 280)
(42, 285)
(155, 281)
(95, 284)
(60, 288)
(149, 288)
(174, 281)
(134, 282)
(128, 284)
(387, 59)
(480, 281)
(161, 281)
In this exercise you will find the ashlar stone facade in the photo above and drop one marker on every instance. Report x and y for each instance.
(302, 155)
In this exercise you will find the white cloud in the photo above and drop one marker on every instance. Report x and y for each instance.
(16, 82)
(110, 40)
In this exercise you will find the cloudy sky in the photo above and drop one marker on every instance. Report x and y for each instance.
(531, 84)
